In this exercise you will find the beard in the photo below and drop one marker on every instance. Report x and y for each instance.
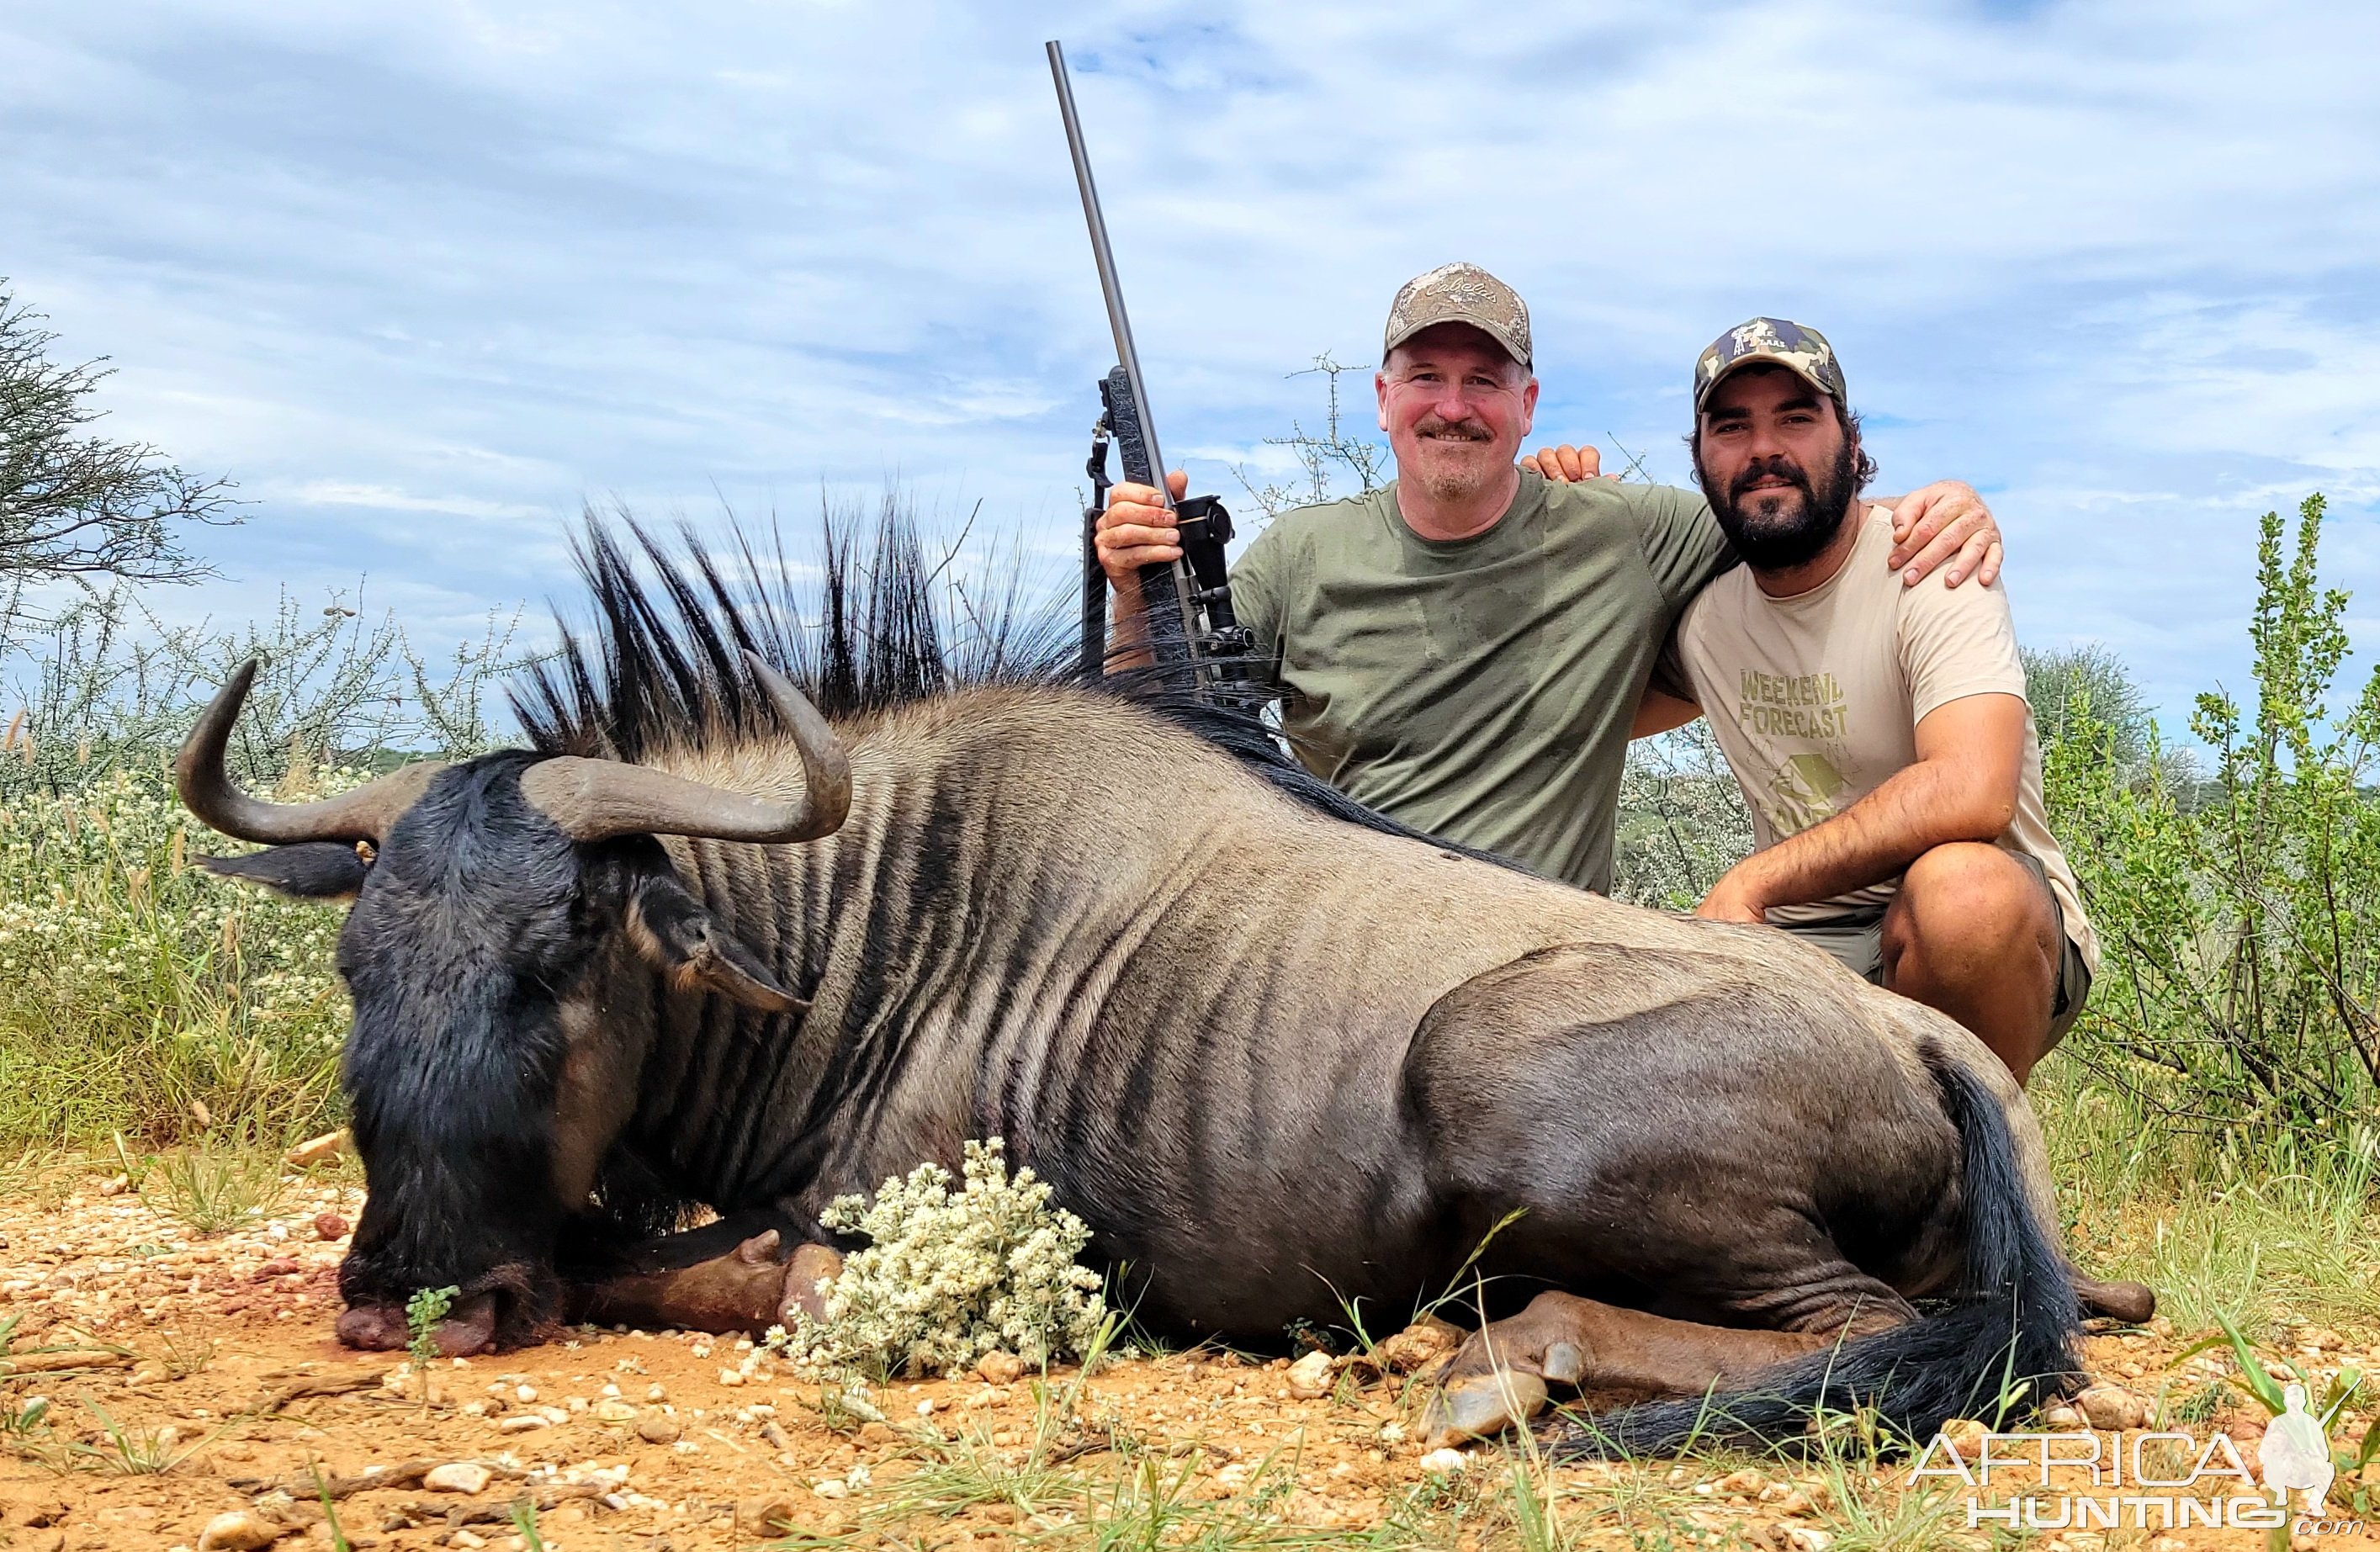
(1776, 530)
(1454, 473)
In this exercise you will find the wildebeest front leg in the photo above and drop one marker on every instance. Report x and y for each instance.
(724, 1277)
(1498, 1376)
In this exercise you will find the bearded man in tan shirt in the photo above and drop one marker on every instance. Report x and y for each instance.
(1879, 731)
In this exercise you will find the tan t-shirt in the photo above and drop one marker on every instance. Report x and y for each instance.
(1816, 699)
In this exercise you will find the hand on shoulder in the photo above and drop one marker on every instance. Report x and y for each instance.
(1567, 464)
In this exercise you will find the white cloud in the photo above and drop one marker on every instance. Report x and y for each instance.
(490, 263)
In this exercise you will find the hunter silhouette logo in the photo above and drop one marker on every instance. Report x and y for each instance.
(2295, 1454)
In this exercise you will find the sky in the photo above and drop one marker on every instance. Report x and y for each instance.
(426, 279)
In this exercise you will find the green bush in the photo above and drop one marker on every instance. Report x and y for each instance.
(2238, 913)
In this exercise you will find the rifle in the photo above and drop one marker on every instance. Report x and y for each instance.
(1186, 606)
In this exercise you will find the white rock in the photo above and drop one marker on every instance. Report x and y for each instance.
(466, 1477)
(1445, 1461)
(833, 1488)
(526, 1422)
(1310, 1376)
(729, 1376)
(238, 1531)
(2112, 1406)
(319, 1150)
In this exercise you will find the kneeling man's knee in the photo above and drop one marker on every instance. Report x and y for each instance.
(1971, 893)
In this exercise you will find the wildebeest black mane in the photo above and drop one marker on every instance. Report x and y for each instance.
(661, 666)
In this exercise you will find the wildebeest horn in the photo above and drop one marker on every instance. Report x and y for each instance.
(207, 791)
(596, 799)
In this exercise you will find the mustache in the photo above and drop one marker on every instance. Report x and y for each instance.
(1452, 431)
(1778, 467)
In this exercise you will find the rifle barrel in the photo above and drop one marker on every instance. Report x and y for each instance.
(1110, 287)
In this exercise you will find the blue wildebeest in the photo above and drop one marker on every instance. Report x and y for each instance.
(702, 945)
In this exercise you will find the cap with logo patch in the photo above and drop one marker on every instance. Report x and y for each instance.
(1804, 352)
(1459, 293)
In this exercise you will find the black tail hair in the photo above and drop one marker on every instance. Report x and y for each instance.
(2014, 1324)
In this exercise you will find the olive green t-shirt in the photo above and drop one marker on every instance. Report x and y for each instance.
(1480, 689)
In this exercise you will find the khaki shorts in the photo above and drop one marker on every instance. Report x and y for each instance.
(1858, 942)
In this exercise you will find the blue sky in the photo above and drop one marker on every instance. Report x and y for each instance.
(424, 278)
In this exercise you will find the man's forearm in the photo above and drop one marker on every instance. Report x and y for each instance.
(1924, 806)
(1127, 631)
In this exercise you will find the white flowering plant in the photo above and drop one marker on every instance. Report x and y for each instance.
(949, 1276)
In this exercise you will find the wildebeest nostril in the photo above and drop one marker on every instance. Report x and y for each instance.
(470, 1328)
(372, 1327)
(381, 1328)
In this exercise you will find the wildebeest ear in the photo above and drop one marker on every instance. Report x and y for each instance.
(694, 950)
(308, 869)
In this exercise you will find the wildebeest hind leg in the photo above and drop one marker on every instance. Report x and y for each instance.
(2131, 1302)
(735, 1275)
(1500, 1376)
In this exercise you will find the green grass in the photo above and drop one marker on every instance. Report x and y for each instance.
(216, 1185)
(132, 985)
(2267, 1229)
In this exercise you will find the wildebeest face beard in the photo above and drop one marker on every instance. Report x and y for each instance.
(476, 920)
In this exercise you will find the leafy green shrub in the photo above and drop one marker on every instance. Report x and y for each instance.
(1682, 821)
(949, 1276)
(2239, 916)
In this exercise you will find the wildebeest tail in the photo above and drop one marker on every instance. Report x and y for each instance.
(2011, 1333)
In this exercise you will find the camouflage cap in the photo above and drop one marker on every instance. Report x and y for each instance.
(1459, 293)
(1804, 352)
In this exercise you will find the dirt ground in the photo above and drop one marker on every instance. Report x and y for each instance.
(653, 1441)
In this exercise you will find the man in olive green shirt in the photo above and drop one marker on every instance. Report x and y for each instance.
(1464, 649)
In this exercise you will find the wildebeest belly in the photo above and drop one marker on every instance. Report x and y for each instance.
(1646, 1126)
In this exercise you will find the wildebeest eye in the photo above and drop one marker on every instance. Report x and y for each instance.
(697, 951)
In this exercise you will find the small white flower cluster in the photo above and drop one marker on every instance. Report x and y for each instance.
(949, 1276)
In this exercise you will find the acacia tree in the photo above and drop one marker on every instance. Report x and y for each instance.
(76, 507)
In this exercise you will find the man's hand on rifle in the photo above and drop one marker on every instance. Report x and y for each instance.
(1138, 530)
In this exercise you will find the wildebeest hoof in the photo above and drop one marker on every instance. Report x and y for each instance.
(2131, 1302)
(1480, 1405)
(806, 1275)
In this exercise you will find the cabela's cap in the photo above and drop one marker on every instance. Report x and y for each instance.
(1459, 293)
(1804, 352)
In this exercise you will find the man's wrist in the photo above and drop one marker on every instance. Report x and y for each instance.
(1752, 883)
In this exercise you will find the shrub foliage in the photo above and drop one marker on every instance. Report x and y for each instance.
(2239, 913)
